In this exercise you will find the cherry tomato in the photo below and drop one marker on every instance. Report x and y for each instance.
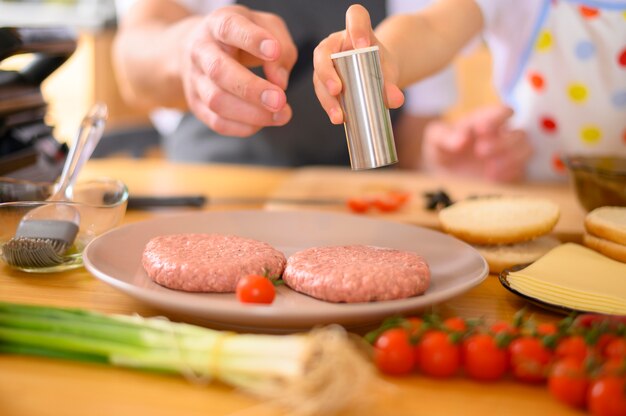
(358, 204)
(455, 324)
(483, 359)
(437, 355)
(393, 354)
(616, 348)
(255, 288)
(546, 329)
(603, 341)
(415, 325)
(568, 382)
(613, 367)
(573, 346)
(503, 327)
(587, 320)
(529, 359)
(607, 396)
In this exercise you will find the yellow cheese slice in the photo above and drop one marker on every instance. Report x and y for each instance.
(575, 277)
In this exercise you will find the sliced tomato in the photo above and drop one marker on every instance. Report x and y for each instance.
(359, 205)
(386, 204)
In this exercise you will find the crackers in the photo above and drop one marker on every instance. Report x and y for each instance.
(499, 220)
(606, 231)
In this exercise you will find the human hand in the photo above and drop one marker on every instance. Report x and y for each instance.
(480, 145)
(219, 87)
(358, 34)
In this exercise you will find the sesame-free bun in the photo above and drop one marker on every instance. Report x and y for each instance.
(505, 256)
(608, 223)
(607, 247)
(499, 220)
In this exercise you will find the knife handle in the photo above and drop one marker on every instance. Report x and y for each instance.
(147, 202)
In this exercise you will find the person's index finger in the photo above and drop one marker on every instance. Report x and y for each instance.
(359, 26)
(238, 31)
(323, 64)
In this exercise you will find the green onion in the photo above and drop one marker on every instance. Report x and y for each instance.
(319, 372)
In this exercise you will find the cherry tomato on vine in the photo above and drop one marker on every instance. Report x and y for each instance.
(529, 359)
(503, 327)
(483, 359)
(393, 353)
(437, 355)
(455, 324)
(607, 396)
(573, 346)
(568, 382)
(616, 348)
(603, 341)
(546, 328)
(613, 367)
(415, 325)
(255, 288)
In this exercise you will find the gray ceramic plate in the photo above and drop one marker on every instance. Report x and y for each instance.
(115, 258)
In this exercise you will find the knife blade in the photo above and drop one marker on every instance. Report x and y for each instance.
(197, 201)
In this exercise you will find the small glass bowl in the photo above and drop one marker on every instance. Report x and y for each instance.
(101, 204)
(598, 181)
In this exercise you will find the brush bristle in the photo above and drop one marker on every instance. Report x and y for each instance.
(24, 252)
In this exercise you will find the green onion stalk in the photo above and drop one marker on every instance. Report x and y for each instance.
(317, 372)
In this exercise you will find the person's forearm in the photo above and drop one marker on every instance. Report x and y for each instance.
(147, 57)
(425, 42)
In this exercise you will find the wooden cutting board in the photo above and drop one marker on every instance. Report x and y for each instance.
(342, 183)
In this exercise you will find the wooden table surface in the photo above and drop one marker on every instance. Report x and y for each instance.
(37, 387)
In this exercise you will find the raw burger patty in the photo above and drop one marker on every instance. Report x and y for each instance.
(357, 273)
(208, 262)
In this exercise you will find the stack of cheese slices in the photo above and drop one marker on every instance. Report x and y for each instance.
(507, 231)
(606, 232)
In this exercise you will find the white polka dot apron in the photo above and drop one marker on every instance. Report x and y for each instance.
(570, 94)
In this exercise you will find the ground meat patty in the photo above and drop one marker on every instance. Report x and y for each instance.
(357, 273)
(208, 262)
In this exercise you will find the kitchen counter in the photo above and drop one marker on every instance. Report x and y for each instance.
(38, 386)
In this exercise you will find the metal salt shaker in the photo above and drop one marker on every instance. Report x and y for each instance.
(366, 118)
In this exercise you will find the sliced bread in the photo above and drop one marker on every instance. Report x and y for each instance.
(505, 256)
(499, 220)
(607, 247)
(608, 223)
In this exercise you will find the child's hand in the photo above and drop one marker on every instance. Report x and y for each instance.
(358, 34)
(480, 145)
